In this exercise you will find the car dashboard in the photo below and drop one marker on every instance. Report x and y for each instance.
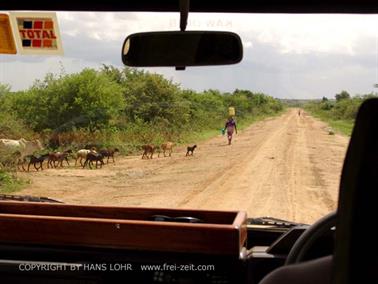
(59, 243)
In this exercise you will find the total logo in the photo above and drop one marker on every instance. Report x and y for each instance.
(37, 33)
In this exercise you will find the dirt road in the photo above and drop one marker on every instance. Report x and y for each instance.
(286, 167)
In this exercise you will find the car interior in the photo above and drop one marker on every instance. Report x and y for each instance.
(339, 248)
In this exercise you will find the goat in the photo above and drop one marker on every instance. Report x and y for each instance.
(148, 149)
(35, 160)
(108, 153)
(58, 157)
(82, 154)
(64, 157)
(92, 156)
(190, 149)
(168, 146)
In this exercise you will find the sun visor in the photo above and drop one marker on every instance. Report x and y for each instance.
(7, 44)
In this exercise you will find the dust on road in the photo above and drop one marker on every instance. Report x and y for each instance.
(286, 167)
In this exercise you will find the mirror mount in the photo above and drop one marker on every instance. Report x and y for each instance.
(184, 12)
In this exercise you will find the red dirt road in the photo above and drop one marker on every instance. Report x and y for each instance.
(286, 167)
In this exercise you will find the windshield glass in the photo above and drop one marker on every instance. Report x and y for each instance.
(267, 135)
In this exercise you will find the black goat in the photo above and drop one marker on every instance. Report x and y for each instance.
(35, 160)
(190, 149)
(91, 157)
(109, 153)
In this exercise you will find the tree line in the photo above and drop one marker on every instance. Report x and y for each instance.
(344, 106)
(339, 112)
(112, 106)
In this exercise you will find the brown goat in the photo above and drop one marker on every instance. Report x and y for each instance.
(148, 149)
(168, 146)
(58, 157)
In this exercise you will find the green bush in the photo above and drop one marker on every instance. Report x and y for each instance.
(347, 108)
(87, 99)
(339, 113)
(9, 182)
(120, 107)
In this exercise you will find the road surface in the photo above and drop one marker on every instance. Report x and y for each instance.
(286, 167)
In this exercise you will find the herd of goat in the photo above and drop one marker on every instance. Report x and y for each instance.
(150, 149)
(86, 157)
(57, 159)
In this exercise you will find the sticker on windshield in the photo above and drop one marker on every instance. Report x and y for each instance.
(7, 44)
(36, 33)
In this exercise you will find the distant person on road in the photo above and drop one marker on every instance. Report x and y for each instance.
(299, 112)
(230, 127)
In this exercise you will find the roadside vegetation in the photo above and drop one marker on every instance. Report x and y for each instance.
(9, 182)
(123, 108)
(339, 113)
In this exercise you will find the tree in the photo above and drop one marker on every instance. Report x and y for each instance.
(324, 99)
(114, 73)
(88, 99)
(342, 96)
(151, 98)
(4, 89)
(113, 104)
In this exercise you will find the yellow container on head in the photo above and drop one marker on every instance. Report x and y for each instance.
(231, 111)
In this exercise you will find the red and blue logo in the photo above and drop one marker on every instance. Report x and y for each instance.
(37, 33)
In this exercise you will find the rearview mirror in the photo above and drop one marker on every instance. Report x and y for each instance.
(180, 49)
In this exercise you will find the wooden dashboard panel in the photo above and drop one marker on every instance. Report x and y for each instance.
(221, 232)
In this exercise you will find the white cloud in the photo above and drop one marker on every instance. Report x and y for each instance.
(288, 32)
(247, 44)
(307, 33)
(284, 55)
(21, 75)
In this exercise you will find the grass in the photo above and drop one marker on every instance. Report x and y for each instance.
(10, 183)
(341, 126)
(200, 136)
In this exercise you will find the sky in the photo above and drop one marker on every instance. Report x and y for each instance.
(285, 55)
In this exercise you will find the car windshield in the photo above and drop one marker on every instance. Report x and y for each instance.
(267, 136)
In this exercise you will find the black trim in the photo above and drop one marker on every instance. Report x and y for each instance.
(235, 6)
(356, 233)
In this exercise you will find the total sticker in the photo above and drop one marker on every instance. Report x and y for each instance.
(36, 33)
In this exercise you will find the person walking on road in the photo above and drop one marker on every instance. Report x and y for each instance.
(230, 127)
